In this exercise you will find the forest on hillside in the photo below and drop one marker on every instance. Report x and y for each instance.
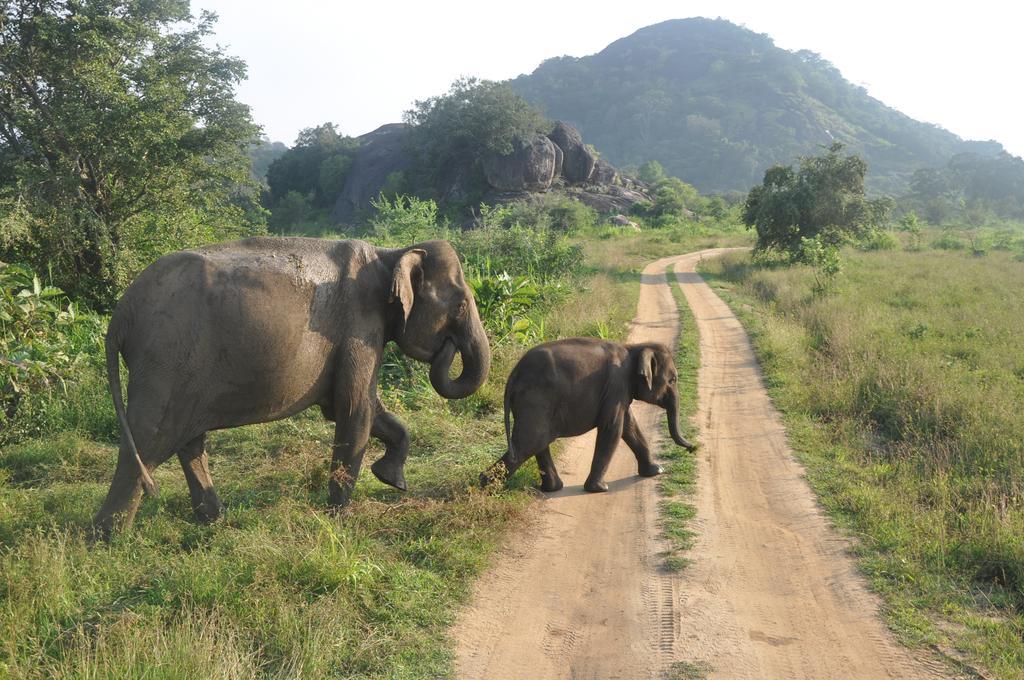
(717, 104)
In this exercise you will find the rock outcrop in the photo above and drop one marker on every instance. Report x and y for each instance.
(579, 159)
(531, 167)
(380, 153)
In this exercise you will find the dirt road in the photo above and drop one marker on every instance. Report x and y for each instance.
(771, 593)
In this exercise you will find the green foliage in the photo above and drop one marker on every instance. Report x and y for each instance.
(45, 341)
(120, 139)
(971, 187)
(651, 172)
(542, 254)
(473, 116)
(262, 154)
(404, 220)
(505, 303)
(878, 239)
(824, 257)
(458, 128)
(315, 168)
(911, 225)
(824, 198)
(553, 211)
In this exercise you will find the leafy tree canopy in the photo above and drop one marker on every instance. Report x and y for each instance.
(473, 117)
(120, 139)
(970, 187)
(316, 167)
(823, 198)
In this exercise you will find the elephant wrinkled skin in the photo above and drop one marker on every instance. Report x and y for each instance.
(568, 387)
(257, 330)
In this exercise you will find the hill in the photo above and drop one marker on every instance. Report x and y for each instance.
(716, 104)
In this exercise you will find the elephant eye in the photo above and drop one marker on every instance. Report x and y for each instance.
(463, 307)
(672, 380)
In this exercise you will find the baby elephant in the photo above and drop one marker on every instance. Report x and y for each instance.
(568, 387)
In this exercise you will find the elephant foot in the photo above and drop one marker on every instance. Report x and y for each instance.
(210, 510)
(549, 485)
(650, 470)
(338, 495)
(390, 473)
(595, 487)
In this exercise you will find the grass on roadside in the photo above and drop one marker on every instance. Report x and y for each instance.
(901, 392)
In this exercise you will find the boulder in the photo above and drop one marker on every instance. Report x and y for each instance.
(610, 199)
(604, 173)
(579, 160)
(559, 161)
(380, 153)
(531, 167)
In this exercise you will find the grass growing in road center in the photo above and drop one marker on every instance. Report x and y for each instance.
(680, 478)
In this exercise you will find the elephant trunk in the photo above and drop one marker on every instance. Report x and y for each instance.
(476, 361)
(672, 411)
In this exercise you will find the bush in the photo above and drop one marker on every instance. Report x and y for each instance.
(877, 239)
(542, 254)
(404, 220)
(544, 211)
(45, 341)
(505, 303)
(824, 197)
(948, 242)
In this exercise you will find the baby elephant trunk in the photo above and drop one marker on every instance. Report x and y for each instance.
(671, 405)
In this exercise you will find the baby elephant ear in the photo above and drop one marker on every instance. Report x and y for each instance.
(406, 278)
(645, 365)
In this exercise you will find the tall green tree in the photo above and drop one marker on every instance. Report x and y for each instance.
(316, 167)
(474, 117)
(120, 138)
(823, 198)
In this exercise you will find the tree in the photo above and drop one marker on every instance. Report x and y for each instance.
(651, 172)
(474, 117)
(316, 166)
(822, 199)
(120, 139)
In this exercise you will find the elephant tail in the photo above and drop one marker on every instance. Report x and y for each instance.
(113, 345)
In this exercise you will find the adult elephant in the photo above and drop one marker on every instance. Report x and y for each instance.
(257, 330)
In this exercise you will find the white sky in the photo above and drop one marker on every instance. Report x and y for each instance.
(361, 64)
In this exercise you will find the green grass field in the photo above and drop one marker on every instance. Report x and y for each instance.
(280, 588)
(903, 393)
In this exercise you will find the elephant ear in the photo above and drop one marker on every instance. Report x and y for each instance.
(645, 365)
(406, 279)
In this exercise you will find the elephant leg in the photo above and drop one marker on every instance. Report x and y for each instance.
(390, 430)
(355, 390)
(549, 479)
(635, 440)
(125, 494)
(608, 436)
(526, 442)
(196, 466)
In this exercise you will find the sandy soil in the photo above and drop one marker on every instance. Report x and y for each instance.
(580, 593)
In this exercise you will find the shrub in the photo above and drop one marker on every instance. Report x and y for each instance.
(45, 341)
(878, 239)
(404, 220)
